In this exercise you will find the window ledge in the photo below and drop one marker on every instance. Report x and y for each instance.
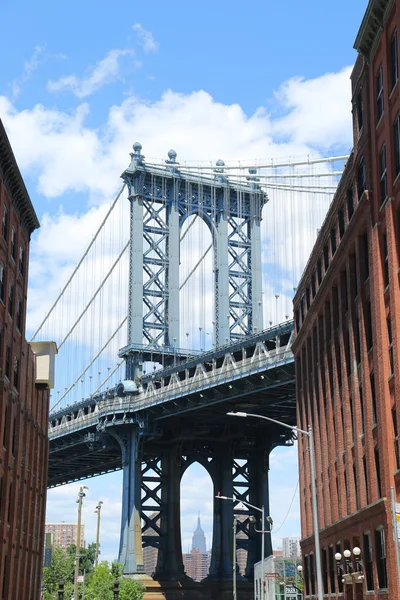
(394, 88)
(380, 121)
(397, 179)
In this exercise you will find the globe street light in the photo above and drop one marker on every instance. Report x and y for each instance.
(98, 510)
(308, 433)
(262, 531)
(81, 495)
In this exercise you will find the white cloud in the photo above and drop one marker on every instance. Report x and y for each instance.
(105, 71)
(146, 38)
(318, 110)
(30, 66)
(65, 154)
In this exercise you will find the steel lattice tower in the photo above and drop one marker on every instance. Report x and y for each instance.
(161, 201)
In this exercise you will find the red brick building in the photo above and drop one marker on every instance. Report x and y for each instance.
(347, 346)
(24, 403)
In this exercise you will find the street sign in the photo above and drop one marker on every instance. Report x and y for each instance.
(398, 520)
(291, 592)
(80, 579)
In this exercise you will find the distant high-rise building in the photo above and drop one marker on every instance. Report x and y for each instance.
(199, 539)
(197, 564)
(65, 534)
(291, 546)
(150, 553)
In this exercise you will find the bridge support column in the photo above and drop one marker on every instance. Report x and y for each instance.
(130, 551)
(170, 562)
(222, 544)
(221, 258)
(258, 496)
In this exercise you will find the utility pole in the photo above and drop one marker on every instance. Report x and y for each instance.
(234, 557)
(81, 495)
(98, 509)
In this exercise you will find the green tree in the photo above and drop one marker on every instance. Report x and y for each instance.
(101, 584)
(62, 567)
(130, 589)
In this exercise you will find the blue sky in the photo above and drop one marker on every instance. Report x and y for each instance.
(81, 81)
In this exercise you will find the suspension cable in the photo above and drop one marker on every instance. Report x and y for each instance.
(90, 364)
(79, 263)
(95, 294)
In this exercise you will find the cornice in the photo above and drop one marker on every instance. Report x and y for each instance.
(15, 185)
(371, 27)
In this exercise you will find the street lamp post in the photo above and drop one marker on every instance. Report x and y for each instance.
(308, 433)
(234, 558)
(262, 531)
(81, 495)
(98, 509)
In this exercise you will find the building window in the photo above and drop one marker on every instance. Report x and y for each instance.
(396, 128)
(350, 203)
(385, 257)
(11, 298)
(394, 60)
(333, 241)
(5, 224)
(9, 504)
(341, 222)
(361, 178)
(359, 109)
(2, 282)
(368, 565)
(297, 320)
(373, 396)
(312, 574)
(16, 372)
(383, 174)
(379, 94)
(365, 253)
(378, 472)
(21, 261)
(396, 438)
(339, 574)
(326, 258)
(8, 361)
(366, 479)
(390, 340)
(325, 570)
(14, 431)
(308, 298)
(360, 391)
(13, 242)
(331, 569)
(319, 267)
(357, 341)
(4, 586)
(5, 428)
(313, 285)
(19, 314)
(368, 325)
(380, 557)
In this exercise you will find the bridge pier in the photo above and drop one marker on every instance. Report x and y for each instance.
(170, 561)
(130, 550)
(222, 544)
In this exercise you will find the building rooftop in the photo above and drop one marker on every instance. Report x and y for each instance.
(371, 26)
(15, 185)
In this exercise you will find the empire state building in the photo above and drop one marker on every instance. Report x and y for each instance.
(199, 539)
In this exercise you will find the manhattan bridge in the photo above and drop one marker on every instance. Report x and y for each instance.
(178, 312)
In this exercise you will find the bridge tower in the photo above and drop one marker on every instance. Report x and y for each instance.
(161, 199)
